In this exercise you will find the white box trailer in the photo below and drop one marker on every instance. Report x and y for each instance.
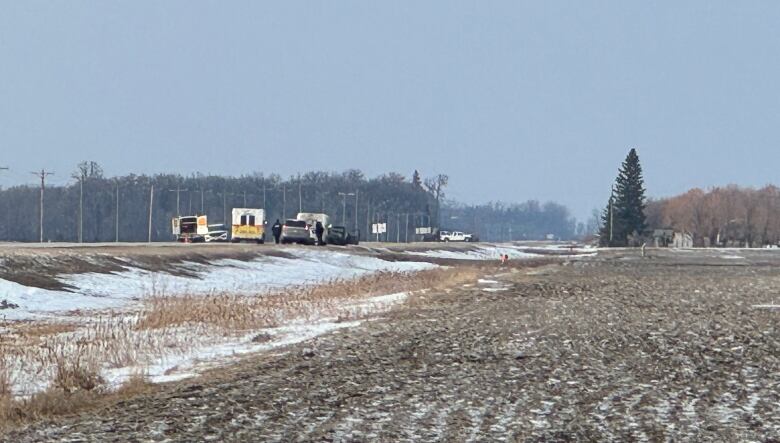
(311, 219)
(189, 228)
(248, 225)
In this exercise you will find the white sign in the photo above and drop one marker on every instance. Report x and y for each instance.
(379, 228)
(422, 231)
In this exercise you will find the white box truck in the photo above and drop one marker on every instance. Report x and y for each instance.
(248, 225)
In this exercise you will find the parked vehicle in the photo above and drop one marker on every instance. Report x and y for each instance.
(296, 231)
(248, 225)
(311, 219)
(338, 235)
(447, 236)
(216, 233)
(190, 228)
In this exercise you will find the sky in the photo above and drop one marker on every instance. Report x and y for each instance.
(514, 100)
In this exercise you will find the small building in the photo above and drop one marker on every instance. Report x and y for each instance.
(682, 240)
(662, 238)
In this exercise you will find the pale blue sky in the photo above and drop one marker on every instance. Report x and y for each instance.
(514, 100)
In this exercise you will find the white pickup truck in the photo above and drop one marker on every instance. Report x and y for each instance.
(448, 236)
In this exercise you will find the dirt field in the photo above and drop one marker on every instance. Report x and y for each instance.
(611, 348)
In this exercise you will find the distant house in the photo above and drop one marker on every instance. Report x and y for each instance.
(662, 238)
(682, 240)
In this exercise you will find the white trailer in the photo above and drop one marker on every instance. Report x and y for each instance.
(190, 228)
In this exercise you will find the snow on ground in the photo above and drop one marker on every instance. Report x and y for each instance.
(103, 291)
(185, 365)
(188, 364)
(180, 352)
(29, 303)
(479, 252)
(487, 251)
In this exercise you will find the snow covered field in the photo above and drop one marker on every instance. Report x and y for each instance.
(97, 291)
(484, 251)
(98, 315)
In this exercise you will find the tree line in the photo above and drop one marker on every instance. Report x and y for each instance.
(96, 208)
(498, 222)
(722, 216)
(730, 216)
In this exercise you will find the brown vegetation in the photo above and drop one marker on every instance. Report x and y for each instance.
(730, 216)
(238, 312)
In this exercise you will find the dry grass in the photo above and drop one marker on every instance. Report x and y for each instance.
(332, 299)
(56, 402)
(62, 363)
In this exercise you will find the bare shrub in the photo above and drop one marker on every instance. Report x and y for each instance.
(76, 368)
(137, 383)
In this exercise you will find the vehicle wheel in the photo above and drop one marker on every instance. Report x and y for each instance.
(235, 240)
(261, 241)
(446, 240)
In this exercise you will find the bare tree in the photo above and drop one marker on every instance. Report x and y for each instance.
(435, 186)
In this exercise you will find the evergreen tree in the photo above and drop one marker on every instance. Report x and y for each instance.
(628, 206)
(606, 230)
(416, 180)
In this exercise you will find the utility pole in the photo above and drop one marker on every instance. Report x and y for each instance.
(116, 236)
(368, 221)
(611, 213)
(81, 208)
(300, 195)
(344, 206)
(151, 206)
(406, 240)
(224, 207)
(201, 202)
(284, 201)
(398, 228)
(357, 191)
(264, 208)
(178, 192)
(245, 199)
(42, 175)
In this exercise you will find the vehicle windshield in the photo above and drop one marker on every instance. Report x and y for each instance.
(295, 223)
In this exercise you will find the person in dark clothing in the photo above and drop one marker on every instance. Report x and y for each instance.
(276, 230)
(319, 230)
